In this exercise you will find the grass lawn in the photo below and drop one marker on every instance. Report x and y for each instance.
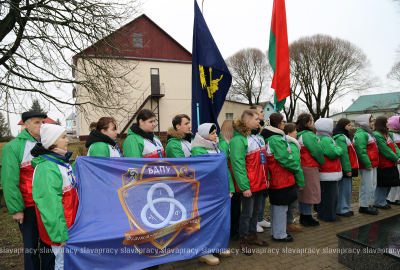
(11, 241)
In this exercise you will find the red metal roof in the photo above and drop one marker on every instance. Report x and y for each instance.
(157, 44)
(48, 120)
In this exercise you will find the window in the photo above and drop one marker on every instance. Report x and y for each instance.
(229, 116)
(267, 109)
(137, 40)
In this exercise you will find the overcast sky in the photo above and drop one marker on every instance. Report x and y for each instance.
(372, 25)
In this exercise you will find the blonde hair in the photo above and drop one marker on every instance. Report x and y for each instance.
(227, 130)
(248, 114)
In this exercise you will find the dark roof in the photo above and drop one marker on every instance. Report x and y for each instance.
(72, 116)
(268, 103)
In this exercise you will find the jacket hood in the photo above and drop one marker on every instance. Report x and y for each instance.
(293, 140)
(341, 130)
(394, 123)
(97, 136)
(172, 133)
(363, 122)
(269, 131)
(137, 130)
(201, 142)
(204, 129)
(242, 128)
(26, 136)
(39, 150)
(324, 127)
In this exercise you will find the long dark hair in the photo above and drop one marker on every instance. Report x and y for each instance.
(380, 126)
(144, 115)
(302, 121)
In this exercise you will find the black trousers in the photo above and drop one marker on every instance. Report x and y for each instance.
(30, 237)
(329, 201)
(235, 214)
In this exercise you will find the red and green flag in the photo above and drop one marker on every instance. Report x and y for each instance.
(278, 54)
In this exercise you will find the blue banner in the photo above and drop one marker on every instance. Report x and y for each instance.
(211, 78)
(135, 213)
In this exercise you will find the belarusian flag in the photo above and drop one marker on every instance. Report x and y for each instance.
(279, 54)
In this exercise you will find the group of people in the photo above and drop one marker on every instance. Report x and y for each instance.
(287, 162)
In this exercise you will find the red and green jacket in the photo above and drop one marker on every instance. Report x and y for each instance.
(349, 158)
(248, 172)
(295, 151)
(388, 151)
(331, 170)
(311, 152)
(281, 164)
(17, 172)
(102, 149)
(177, 146)
(396, 138)
(366, 149)
(56, 199)
(138, 147)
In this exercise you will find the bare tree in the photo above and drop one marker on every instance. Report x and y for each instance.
(250, 73)
(326, 69)
(38, 39)
(394, 73)
(292, 102)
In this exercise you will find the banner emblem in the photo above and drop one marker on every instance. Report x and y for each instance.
(160, 201)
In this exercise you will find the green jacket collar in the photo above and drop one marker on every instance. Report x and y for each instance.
(26, 136)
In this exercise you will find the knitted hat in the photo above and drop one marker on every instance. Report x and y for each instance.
(49, 134)
(205, 129)
(394, 122)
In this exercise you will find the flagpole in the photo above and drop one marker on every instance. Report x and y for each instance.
(197, 96)
(197, 74)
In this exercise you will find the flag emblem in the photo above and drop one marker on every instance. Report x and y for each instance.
(213, 83)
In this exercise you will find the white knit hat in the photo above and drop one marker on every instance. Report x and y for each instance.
(49, 134)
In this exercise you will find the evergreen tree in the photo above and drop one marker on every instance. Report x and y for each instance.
(37, 107)
(58, 121)
(3, 129)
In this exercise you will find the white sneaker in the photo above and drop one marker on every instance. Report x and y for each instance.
(259, 228)
(209, 259)
(264, 224)
(225, 253)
